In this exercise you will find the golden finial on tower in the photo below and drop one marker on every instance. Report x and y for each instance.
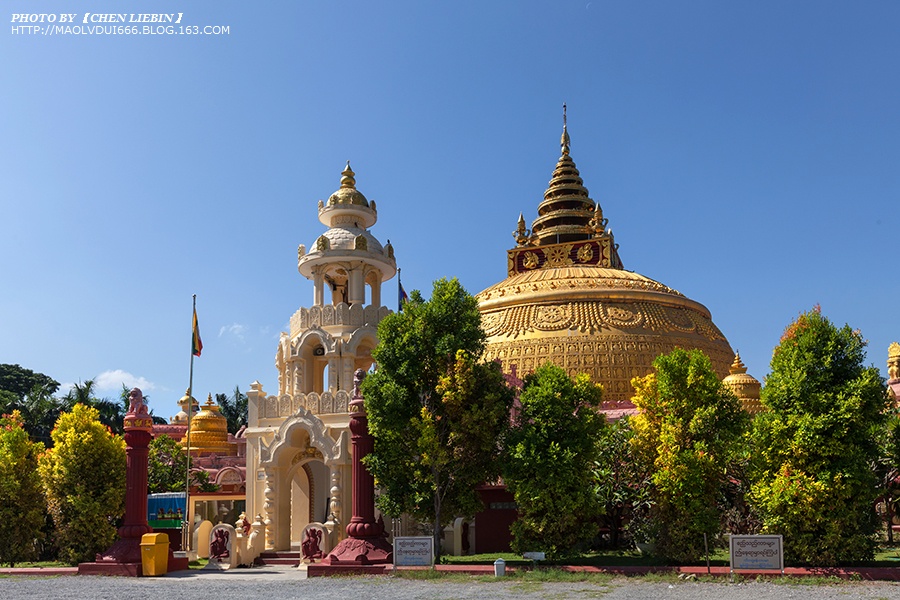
(737, 367)
(564, 141)
(347, 180)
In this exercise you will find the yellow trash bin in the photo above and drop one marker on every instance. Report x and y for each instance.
(154, 553)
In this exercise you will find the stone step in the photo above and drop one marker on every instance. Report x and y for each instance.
(279, 558)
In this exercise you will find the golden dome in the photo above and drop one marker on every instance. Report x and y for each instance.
(745, 387)
(567, 299)
(347, 193)
(209, 430)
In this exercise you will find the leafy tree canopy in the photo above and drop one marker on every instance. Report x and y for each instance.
(234, 409)
(436, 413)
(551, 451)
(686, 430)
(166, 465)
(20, 381)
(621, 479)
(815, 446)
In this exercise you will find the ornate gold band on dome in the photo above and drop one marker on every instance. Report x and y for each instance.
(594, 316)
(579, 280)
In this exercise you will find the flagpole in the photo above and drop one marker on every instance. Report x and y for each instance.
(186, 541)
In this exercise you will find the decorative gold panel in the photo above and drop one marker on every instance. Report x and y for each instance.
(611, 360)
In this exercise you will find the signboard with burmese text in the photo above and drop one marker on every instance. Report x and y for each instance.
(413, 551)
(757, 552)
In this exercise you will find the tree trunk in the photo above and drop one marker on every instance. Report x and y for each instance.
(889, 515)
(437, 517)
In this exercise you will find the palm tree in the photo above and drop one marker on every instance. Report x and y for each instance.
(234, 409)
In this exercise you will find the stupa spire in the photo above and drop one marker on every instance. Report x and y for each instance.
(566, 212)
(570, 227)
(737, 367)
(347, 177)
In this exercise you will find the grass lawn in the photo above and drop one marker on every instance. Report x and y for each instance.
(45, 564)
(885, 556)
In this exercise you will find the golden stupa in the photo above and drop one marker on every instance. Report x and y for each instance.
(745, 387)
(209, 430)
(568, 300)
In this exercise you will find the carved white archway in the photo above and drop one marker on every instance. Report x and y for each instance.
(276, 458)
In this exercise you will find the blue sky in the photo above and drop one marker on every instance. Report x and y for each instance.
(745, 154)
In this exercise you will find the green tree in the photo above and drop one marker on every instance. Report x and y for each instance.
(32, 395)
(437, 415)
(166, 465)
(39, 410)
(21, 496)
(686, 428)
(621, 479)
(111, 413)
(84, 483)
(234, 409)
(812, 478)
(19, 381)
(550, 454)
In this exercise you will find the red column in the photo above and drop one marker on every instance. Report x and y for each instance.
(124, 556)
(137, 440)
(367, 543)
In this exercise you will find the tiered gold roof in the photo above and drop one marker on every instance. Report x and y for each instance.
(745, 387)
(209, 431)
(568, 300)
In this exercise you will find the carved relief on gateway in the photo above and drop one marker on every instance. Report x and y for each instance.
(339, 314)
(318, 404)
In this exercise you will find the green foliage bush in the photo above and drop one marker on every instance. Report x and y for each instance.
(550, 455)
(814, 449)
(84, 483)
(21, 496)
(686, 431)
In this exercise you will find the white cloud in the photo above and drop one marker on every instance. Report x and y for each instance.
(112, 381)
(235, 330)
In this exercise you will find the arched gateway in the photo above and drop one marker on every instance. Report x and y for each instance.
(298, 443)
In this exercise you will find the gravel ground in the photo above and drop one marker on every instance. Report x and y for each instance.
(284, 584)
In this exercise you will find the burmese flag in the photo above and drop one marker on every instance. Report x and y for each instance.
(196, 343)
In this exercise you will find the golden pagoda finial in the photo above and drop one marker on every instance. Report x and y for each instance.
(598, 222)
(737, 367)
(347, 180)
(564, 141)
(893, 361)
(521, 233)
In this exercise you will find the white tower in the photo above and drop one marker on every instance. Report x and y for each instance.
(298, 451)
(347, 265)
